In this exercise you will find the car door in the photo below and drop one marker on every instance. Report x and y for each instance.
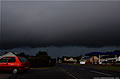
(11, 62)
(4, 63)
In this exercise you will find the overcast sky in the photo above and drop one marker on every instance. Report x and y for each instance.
(62, 51)
(60, 0)
(60, 23)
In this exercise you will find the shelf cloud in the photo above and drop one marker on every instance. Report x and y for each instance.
(59, 23)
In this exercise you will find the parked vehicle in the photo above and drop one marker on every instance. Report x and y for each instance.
(14, 63)
(82, 62)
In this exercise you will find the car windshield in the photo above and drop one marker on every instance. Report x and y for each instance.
(22, 59)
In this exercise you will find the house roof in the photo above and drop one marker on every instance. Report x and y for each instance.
(8, 54)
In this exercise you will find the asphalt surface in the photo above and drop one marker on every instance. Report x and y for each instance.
(4, 75)
(82, 72)
(45, 73)
(63, 71)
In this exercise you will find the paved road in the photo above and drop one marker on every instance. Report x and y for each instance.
(4, 75)
(48, 73)
(63, 71)
(82, 72)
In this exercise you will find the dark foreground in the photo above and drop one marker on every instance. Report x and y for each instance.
(62, 71)
(42, 73)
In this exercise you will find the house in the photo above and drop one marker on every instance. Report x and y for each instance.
(94, 59)
(104, 57)
(59, 60)
(70, 60)
(8, 54)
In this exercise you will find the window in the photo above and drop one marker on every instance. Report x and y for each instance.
(4, 60)
(11, 59)
(22, 59)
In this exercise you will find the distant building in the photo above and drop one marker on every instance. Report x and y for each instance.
(94, 59)
(70, 59)
(8, 54)
(104, 57)
(59, 60)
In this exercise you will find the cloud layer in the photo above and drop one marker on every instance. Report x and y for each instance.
(41, 23)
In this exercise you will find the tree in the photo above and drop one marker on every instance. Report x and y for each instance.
(78, 58)
(22, 54)
(42, 53)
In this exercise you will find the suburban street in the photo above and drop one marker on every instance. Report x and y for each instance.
(60, 39)
(62, 71)
(42, 73)
(81, 72)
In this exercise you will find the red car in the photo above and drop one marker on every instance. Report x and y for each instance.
(14, 64)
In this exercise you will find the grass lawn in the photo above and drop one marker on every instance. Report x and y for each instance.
(101, 67)
(108, 67)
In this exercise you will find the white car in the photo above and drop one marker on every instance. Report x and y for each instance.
(82, 61)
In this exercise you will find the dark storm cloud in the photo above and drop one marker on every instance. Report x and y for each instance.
(65, 23)
(62, 51)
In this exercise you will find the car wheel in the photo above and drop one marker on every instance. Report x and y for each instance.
(15, 71)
